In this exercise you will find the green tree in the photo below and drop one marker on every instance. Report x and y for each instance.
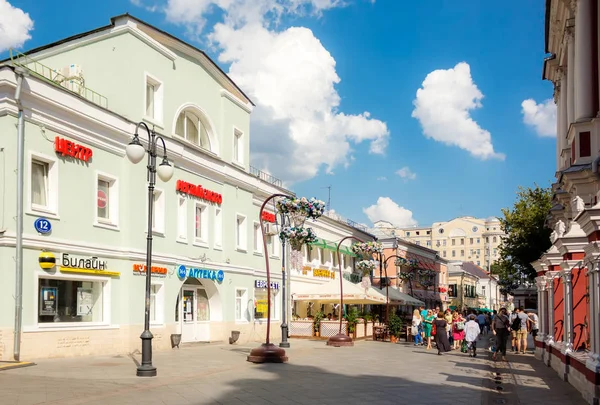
(527, 236)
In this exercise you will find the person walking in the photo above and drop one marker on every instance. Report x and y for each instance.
(472, 331)
(415, 327)
(441, 335)
(458, 329)
(448, 319)
(427, 326)
(534, 324)
(513, 332)
(521, 325)
(481, 321)
(500, 325)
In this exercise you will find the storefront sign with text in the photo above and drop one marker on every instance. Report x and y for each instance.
(90, 265)
(324, 273)
(198, 191)
(156, 271)
(268, 217)
(68, 148)
(263, 284)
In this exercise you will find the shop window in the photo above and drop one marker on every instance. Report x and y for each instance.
(238, 146)
(240, 233)
(182, 218)
(157, 304)
(260, 304)
(258, 243)
(154, 95)
(203, 306)
(201, 224)
(71, 301)
(218, 233)
(158, 212)
(241, 305)
(191, 127)
(43, 191)
(107, 200)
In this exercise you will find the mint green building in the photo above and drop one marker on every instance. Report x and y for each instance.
(85, 204)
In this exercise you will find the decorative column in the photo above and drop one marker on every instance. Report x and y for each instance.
(570, 77)
(584, 93)
(550, 327)
(563, 124)
(542, 307)
(568, 309)
(593, 361)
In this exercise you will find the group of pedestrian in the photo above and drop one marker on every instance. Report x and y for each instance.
(453, 330)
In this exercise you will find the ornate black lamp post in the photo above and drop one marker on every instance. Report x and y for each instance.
(284, 326)
(135, 153)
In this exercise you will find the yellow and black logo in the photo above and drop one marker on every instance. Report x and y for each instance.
(47, 260)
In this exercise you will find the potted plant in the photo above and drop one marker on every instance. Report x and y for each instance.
(395, 324)
(352, 319)
(319, 316)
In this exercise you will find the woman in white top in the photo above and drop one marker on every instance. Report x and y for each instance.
(472, 331)
(414, 330)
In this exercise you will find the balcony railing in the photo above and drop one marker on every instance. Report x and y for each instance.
(73, 84)
(346, 221)
(266, 177)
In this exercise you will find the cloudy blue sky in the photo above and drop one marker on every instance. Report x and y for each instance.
(412, 111)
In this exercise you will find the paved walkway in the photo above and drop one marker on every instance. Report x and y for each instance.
(369, 372)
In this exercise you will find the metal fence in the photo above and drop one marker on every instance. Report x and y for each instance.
(265, 177)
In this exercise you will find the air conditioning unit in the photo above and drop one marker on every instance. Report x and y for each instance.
(71, 78)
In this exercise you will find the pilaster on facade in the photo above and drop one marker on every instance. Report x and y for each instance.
(550, 276)
(566, 275)
(541, 283)
(593, 361)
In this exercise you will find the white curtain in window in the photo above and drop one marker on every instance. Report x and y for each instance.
(198, 222)
(39, 183)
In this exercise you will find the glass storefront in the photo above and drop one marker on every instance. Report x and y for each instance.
(70, 301)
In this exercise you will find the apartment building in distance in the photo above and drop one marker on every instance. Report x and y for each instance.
(465, 239)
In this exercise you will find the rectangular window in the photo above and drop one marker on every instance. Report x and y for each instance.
(258, 243)
(495, 251)
(418, 243)
(428, 243)
(478, 263)
(453, 253)
(444, 242)
(240, 233)
(201, 223)
(218, 234)
(407, 233)
(241, 305)
(43, 184)
(478, 251)
(417, 233)
(462, 253)
(238, 146)
(153, 97)
(453, 242)
(158, 212)
(478, 241)
(71, 301)
(572, 151)
(157, 306)
(107, 200)
(182, 218)
(462, 242)
(585, 146)
(471, 241)
(261, 303)
(444, 253)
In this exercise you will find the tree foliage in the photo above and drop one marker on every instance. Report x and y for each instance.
(527, 237)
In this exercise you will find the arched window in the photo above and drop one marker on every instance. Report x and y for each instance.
(192, 128)
(494, 239)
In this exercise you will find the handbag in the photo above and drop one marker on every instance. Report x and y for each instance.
(414, 330)
(463, 347)
(460, 326)
(433, 329)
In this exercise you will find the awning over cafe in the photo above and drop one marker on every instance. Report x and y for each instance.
(399, 298)
(330, 293)
(328, 245)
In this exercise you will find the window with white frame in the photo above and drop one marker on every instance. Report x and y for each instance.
(153, 99)
(182, 218)
(201, 223)
(258, 243)
(275, 246)
(238, 146)
(241, 305)
(191, 127)
(107, 200)
(240, 232)
(43, 190)
(71, 301)
(158, 212)
(218, 233)
(157, 304)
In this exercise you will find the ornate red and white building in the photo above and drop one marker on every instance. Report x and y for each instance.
(568, 273)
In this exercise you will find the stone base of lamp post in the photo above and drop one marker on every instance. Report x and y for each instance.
(267, 353)
(340, 340)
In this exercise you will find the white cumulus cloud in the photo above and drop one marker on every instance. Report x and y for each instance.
(387, 210)
(542, 117)
(406, 173)
(443, 106)
(297, 126)
(15, 25)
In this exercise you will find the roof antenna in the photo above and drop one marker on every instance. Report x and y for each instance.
(328, 197)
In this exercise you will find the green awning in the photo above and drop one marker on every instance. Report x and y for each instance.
(347, 251)
(319, 243)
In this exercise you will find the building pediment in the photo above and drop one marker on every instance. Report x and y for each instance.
(589, 220)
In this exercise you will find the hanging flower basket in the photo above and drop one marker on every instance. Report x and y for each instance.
(401, 261)
(297, 236)
(300, 209)
(366, 250)
(365, 267)
(406, 276)
(427, 283)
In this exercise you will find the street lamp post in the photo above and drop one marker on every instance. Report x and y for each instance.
(284, 325)
(135, 153)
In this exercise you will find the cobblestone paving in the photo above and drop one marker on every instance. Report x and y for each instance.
(368, 373)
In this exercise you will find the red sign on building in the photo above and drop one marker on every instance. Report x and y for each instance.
(268, 217)
(198, 191)
(68, 148)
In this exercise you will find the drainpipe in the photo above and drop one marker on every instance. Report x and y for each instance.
(19, 234)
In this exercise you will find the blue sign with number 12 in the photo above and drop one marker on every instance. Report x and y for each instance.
(42, 225)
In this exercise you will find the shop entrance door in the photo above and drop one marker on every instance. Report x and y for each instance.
(195, 311)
